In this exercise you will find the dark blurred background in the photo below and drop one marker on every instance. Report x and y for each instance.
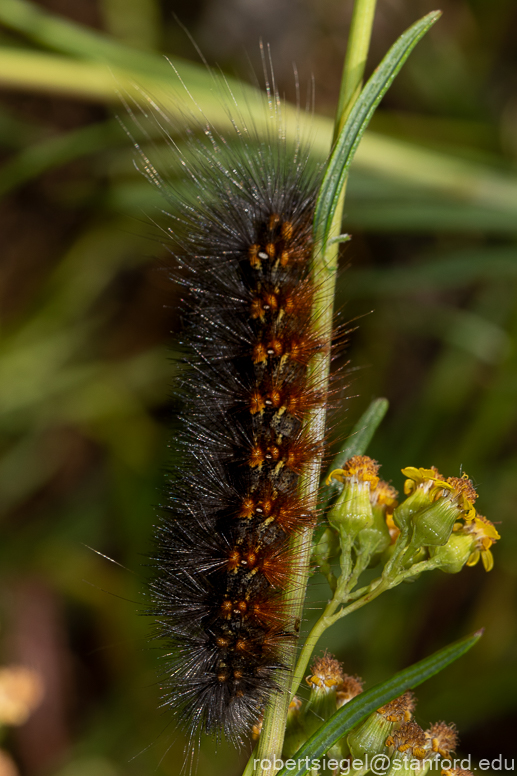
(85, 355)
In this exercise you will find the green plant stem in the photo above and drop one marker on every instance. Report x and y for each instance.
(328, 618)
(393, 574)
(343, 594)
(324, 268)
(355, 59)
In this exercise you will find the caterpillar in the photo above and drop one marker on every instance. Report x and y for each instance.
(242, 247)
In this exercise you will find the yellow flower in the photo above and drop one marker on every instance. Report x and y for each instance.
(409, 739)
(358, 468)
(460, 489)
(400, 709)
(464, 494)
(485, 535)
(434, 504)
(418, 489)
(326, 673)
(422, 478)
(384, 495)
(392, 528)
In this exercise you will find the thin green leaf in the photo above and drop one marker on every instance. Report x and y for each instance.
(360, 707)
(357, 122)
(358, 441)
(362, 433)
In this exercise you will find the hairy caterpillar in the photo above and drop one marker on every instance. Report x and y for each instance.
(243, 247)
(257, 250)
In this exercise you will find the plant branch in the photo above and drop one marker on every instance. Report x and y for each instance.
(324, 269)
(355, 59)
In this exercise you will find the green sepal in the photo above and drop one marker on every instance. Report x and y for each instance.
(370, 737)
(295, 733)
(375, 539)
(352, 511)
(417, 501)
(322, 704)
(453, 555)
(433, 525)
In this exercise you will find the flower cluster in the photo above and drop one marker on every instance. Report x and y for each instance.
(435, 526)
(391, 730)
(437, 519)
(445, 521)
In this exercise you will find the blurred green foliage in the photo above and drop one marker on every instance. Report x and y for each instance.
(86, 310)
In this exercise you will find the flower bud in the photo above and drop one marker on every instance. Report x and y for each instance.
(295, 734)
(453, 555)
(325, 677)
(452, 499)
(418, 488)
(326, 547)
(376, 538)
(433, 525)
(370, 737)
(353, 510)
(410, 745)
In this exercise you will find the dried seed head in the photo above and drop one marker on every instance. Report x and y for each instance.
(348, 688)
(399, 710)
(326, 673)
(442, 738)
(409, 740)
